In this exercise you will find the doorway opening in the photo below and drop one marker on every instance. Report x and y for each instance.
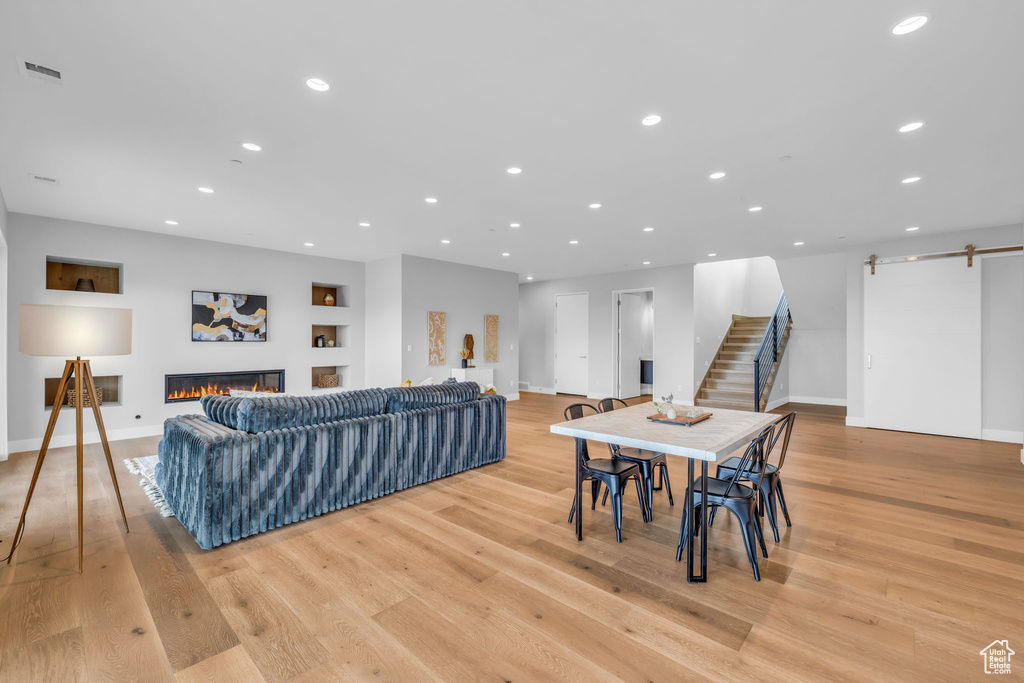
(634, 343)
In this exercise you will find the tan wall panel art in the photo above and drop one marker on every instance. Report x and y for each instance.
(490, 339)
(437, 339)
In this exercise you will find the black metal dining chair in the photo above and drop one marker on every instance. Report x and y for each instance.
(612, 473)
(767, 480)
(738, 498)
(649, 461)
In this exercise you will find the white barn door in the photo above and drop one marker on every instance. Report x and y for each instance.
(922, 346)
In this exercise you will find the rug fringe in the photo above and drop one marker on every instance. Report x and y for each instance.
(153, 492)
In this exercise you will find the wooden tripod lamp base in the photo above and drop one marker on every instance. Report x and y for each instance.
(51, 331)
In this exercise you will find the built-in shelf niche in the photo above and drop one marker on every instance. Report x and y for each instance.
(341, 294)
(339, 334)
(67, 274)
(110, 385)
(340, 370)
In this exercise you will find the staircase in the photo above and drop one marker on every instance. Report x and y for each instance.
(731, 381)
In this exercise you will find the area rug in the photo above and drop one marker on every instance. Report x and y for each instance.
(145, 469)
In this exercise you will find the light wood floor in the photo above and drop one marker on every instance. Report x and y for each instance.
(905, 559)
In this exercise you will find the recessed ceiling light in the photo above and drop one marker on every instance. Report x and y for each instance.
(651, 120)
(595, 206)
(712, 255)
(717, 175)
(171, 222)
(913, 179)
(446, 241)
(364, 225)
(515, 170)
(251, 146)
(648, 229)
(910, 24)
(307, 244)
(754, 209)
(529, 277)
(205, 190)
(318, 84)
(574, 241)
(911, 126)
(513, 225)
(647, 263)
(431, 200)
(913, 228)
(505, 253)
(798, 244)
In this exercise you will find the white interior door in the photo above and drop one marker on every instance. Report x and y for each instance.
(630, 323)
(572, 343)
(922, 345)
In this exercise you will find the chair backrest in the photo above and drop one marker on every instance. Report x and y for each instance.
(578, 410)
(755, 453)
(575, 412)
(783, 428)
(606, 405)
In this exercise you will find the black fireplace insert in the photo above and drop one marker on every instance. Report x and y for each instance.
(192, 386)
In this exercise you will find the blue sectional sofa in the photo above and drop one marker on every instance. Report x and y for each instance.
(253, 464)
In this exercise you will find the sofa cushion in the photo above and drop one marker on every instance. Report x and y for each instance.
(400, 399)
(264, 414)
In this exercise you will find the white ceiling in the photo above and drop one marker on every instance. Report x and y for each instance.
(439, 98)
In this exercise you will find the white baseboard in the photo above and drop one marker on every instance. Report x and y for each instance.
(514, 396)
(1002, 435)
(856, 421)
(817, 400)
(538, 390)
(59, 441)
(772, 405)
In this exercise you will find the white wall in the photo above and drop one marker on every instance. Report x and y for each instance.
(722, 289)
(159, 274)
(816, 289)
(925, 244)
(673, 329)
(3, 327)
(384, 350)
(1002, 339)
(466, 294)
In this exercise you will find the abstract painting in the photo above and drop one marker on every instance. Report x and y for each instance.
(490, 339)
(217, 316)
(437, 339)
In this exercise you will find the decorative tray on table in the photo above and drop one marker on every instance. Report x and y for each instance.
(680, 420)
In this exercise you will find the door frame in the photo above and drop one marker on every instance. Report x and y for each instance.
(554, 335)
(616, 294)
(4, 294)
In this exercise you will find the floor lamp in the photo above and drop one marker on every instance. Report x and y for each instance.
(73, 331)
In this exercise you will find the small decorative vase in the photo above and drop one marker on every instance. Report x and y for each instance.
(670, 412)
(328, 299)
(465, 363)
(320, 341)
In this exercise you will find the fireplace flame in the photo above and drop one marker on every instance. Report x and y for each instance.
(198, 391)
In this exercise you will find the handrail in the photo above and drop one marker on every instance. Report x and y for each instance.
(768, 353)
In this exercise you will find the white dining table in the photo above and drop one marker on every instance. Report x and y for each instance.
(706, 441)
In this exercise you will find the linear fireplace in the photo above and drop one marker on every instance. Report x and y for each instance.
(192, 387)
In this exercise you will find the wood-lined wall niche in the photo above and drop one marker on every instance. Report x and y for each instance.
(84, 276)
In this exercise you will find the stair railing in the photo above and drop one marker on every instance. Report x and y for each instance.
(768, 353)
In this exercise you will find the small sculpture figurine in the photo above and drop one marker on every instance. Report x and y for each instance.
(328, 299)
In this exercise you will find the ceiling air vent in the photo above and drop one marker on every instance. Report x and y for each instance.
(40, 72)
(45, 180)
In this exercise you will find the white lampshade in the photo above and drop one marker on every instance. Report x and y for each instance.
(70, 331)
